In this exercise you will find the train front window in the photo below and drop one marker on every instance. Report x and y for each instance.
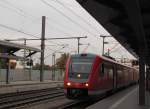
(80, 68)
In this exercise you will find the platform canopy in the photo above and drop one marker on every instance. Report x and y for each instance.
(7, 50)
(127, 20)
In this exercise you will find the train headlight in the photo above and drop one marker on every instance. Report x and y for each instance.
(79, 75)
(68, 84)
(86, 84)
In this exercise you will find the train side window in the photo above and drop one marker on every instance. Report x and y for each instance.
(108, 70)
(111, 72)
(102, 70)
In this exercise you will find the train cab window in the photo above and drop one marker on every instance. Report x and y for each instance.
(80, 68)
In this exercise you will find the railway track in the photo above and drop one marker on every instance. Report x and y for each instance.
(71, 105)
(85, 103)
(13, 100)
(78, 104)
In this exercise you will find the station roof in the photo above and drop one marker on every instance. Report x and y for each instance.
(127, 20)
(7, 56)
(15, 47)
(7, 50)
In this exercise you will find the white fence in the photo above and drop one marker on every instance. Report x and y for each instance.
(33, 75)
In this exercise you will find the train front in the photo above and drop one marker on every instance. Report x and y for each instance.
(77, 74)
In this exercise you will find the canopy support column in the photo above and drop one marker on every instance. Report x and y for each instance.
(141, 81)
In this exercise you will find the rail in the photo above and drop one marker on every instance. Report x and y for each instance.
(13, 100)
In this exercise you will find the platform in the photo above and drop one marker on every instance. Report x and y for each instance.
(28, 85)
(126, 99)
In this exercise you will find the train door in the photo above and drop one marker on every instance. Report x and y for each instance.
(119, 76)
(101, 74)
(110, 75)
(108, 70)
(114, 77)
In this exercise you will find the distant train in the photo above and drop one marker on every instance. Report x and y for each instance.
(90, 75)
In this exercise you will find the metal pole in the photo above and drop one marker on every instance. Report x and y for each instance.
(78, 44)
(147, 76)
(24, 61)
(30, 69)
(108, 52)
(7, 72)
(42, 48)
(103, 45)
(103, 51)
(54, 66)
(141, 81)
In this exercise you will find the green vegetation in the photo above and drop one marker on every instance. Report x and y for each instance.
(37, 67)
(61, 62)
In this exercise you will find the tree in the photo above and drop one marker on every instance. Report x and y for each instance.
(61, 62)
(3, 64)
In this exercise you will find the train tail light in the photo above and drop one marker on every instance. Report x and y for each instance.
(68, 84)
(86, 84)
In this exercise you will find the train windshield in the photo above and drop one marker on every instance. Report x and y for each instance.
(80, 68)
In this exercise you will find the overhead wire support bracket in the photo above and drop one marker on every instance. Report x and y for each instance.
(57, 38)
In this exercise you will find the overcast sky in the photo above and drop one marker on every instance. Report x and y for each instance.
(64, 18)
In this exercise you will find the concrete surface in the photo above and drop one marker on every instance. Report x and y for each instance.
(28, 85)
(126, 99)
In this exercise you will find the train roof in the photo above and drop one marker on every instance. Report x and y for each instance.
(113, 61)
(102, 57)
(84, 54)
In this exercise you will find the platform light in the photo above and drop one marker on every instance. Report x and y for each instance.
(68, 84)
(86, 84)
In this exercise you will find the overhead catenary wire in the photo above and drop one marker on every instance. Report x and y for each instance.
(114, 46)
(54, 51)
(27, 33)
(115, 49)
(24, 14)
(21, 10)
(11, 10)
(29, 15)
(68, 34)
(18, 11)
(60, 25)
(17, 30)
(86, 48)
(78, 16)
(64, 15)
(20, 31)
(51, 53)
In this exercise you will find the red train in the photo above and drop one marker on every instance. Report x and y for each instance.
(89, 75)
